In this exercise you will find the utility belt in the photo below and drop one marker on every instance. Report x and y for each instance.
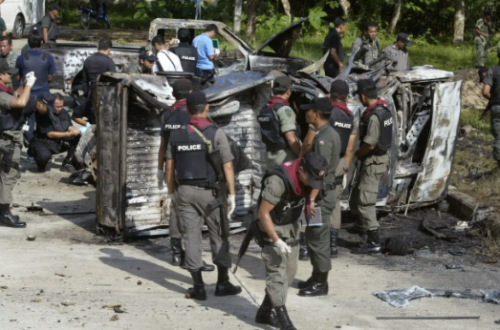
(331, 186)
(379, 152)
(6, 137)
(7, 154)
(206, 186)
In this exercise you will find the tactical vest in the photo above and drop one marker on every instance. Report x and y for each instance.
(386, 124)
(342, 123)
(60, 122)
(190, 153)
(290, 206)
(495, 89)
(175, 120)
(270, 128)
(37, 64)
(11, 120)
(188, 57)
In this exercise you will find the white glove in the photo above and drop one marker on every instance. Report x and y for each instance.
(88, 125)
(30, 79)
(231, 205)
(170, 203)
(344, 181)
(160, 177)
(283, 247)
(217, 52)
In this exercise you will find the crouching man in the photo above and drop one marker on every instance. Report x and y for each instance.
(54, 134)
(281, 203)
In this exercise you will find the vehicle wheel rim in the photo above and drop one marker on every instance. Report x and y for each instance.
(19, 28)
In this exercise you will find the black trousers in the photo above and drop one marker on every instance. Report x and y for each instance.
(206, 75)
(43, 149)
(332, 70)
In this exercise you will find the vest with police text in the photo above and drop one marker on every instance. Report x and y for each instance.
(270, 128)
(174, 120)
(289, 209)
(188, 56)
(386, 124)
(190, 153)
(342, 123)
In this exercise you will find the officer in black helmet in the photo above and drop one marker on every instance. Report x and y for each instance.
(187, 53)
(189, 159)
(375, 134)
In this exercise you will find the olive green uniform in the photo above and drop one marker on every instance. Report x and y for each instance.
(400, 58)
(9, 179)
(368, 52)
(326, 144)
(364, 196)
(495, 113)
(287, 118)
(482, 43)
(136, 68)
(342, 169)
(52, 28)
(191, 204)
(280, 269)
(11, 60)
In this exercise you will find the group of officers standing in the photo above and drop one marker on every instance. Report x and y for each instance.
(304, 179)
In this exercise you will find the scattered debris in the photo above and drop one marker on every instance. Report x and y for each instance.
(118, 310)
(497, 322)
(467, 129)
(31, 238)
(402, 297)
(462, 226)
(491, 262)
(35, 209)
(139, 282)
(4, 287)
(457, 251)
(441, 232)
(114, 318)
(428, 317)
(111, 306)
(38, 300)
(60, 275)
(127, 278)
(68, 303)
(453, 266)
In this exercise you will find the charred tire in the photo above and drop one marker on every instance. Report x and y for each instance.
(18, 28)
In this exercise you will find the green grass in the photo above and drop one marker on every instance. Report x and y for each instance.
(473, 118)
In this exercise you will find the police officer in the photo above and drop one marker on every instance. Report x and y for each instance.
(145, 63)
(173, 119)
(97, 64)
(278, 125)
(484, 31)
(12, 104)
(369, 46)
(375, 135)
(283, 196)
(50, 30)
(188, 156)
(187, 53)
(398, 53)
(9, 55)
(327, 144)
(491, 90)
(55, 133)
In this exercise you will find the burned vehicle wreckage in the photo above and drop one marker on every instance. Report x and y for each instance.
(424, 102)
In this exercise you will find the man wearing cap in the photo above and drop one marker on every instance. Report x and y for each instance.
(284, 192)
(278, 127)
(54, 132)
(484, 31)
(369, 47)
(398, 53)
(174, 119)
(327, 144)
(189, 164)
(375, 134)
(206, 53)
(165, 59)
(491, 91)
(333, 46)
(145, 64)
(50, 30)
(187, 53)
(12, 120)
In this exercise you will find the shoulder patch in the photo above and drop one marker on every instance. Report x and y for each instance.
(289, 113)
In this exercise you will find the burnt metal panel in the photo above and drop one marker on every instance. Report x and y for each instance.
(282, 42)
(267, 64)
(432, 182)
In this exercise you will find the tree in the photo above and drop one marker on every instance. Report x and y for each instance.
(288, 8)
(238, 4)
(395, 16)
(346, 7)
(253, 6)
(458, 36)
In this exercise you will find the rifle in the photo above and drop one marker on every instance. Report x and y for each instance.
(7, 162)
(252, 232)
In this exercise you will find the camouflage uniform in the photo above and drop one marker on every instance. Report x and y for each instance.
(370, 51)
(482, 43)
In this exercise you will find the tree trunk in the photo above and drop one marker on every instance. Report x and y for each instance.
(346, 7)
(458, 36)
(238, 4)
(288, 8)
(395, 16)
(253, 5)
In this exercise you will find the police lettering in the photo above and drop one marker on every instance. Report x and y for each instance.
(264, 119)
(388, 122)
(172, 127)
(188, 58)
(192, 147)
(343, 125)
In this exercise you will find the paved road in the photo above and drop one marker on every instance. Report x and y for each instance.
(68, 264)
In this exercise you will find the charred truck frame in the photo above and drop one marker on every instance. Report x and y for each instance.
(424, 102)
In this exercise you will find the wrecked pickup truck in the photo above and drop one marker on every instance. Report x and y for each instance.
(425, 105)
(236, 55)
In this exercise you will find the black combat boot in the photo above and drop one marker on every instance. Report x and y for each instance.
(284, 320)
(317, 288)
(372, 244)
(265, 314)
(334, 251)
(224, 287)
(198, 290)
(303, 254)
(310, 280)
(206, 267)
(177, 255)
(8, 219)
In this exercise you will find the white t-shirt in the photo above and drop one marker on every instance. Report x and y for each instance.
(168, 62)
